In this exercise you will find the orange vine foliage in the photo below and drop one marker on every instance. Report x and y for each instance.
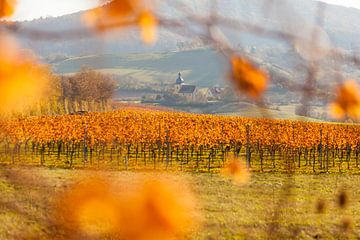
(132, 126)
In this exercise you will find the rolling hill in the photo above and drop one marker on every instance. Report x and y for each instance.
(122, 53)
(200, 67)
(297, 17)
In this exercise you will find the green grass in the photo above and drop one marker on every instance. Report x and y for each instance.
(228, 211)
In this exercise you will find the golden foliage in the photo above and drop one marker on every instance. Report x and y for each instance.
(22, 79)
(150, 208)
(7, 8)
(236, 169)
(127, 127)
(248, 78)
(347, 102)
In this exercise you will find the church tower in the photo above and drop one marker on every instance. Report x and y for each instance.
(179, 82)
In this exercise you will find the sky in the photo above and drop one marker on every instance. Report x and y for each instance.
(31, 9)
(347, 3)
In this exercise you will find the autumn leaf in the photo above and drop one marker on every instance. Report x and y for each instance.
(236, 169)
(248, 78)
(161, 208)
(120, 14)
(22, 78)
(89, 207)
(148, 25)
(347, 102)
(7, 8)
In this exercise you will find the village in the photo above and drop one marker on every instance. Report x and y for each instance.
(180, 93)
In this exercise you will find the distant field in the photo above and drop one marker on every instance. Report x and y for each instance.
(146, 107)
(243, 109)
(228, 211)
(253, 111)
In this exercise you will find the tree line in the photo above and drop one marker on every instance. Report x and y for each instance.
(87, 85)
(87, 90)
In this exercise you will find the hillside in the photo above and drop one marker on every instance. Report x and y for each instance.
(200, 67)
(203, 67)
(297, 17)
(122, 53)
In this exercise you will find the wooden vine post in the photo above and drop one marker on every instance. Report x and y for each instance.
(248, 152)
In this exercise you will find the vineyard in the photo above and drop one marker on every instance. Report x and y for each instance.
(140, 139)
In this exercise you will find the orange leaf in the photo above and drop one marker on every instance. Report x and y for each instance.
(7, 7)
(247, 77)
(148, 24)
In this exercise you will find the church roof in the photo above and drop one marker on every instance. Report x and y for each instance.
(187, 89)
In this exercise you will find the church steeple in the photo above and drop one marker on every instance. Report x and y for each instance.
(179, 80)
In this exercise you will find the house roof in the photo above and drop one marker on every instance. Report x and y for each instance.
(187, 89)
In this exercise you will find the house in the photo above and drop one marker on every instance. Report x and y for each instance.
(203, 95)
(217, 92)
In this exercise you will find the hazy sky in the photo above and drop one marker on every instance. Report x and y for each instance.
(347, 3)
(30, 9)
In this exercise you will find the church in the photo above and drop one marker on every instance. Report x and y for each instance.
(184, 90)
(191, 93)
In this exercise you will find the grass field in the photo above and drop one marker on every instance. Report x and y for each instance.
(285, 204)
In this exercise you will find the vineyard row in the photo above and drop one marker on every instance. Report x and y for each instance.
(136, 138)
